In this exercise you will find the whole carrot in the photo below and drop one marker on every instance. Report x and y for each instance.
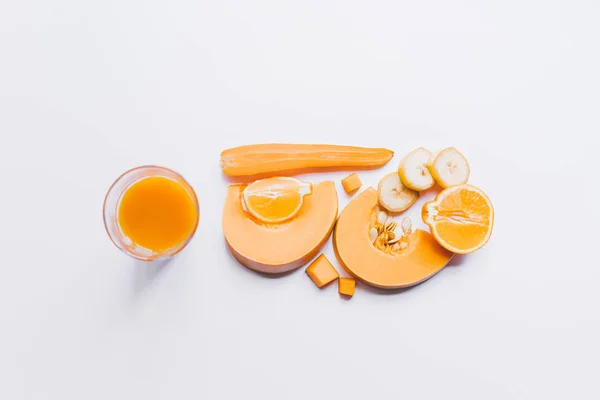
(267, 158)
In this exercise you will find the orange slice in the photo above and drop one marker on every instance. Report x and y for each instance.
(461, 218)
(275, 200)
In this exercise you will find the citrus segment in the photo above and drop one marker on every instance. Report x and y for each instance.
(275, 200)
(461, 218)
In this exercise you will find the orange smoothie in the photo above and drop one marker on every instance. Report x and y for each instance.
(157, 213)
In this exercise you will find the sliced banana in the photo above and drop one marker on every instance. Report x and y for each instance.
(393, 195)
(413, 170)
(449, 167)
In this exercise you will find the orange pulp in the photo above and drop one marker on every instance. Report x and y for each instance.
(157, 213)
(276, 199)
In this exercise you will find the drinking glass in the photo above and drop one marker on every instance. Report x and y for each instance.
(111, 210)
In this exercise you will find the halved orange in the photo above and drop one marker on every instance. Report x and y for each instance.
(461, 218)
(275, 200)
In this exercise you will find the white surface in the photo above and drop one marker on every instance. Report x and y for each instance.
(89, 89)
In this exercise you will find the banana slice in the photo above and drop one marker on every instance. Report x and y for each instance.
(413, 170)
(393, 195)
(449, 167)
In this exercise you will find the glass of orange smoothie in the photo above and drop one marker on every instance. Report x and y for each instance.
(151, 212)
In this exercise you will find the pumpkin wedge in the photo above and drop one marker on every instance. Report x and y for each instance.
(280, 247)
(408, 262)
(259, 159)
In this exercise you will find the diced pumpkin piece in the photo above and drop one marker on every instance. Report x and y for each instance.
(321, 271)
(351, 183)
(346, 286)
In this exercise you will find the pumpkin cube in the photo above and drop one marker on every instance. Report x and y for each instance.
(321, 271)
(351, 183)
(346, 286)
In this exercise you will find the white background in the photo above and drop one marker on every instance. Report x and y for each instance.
(89, 89)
